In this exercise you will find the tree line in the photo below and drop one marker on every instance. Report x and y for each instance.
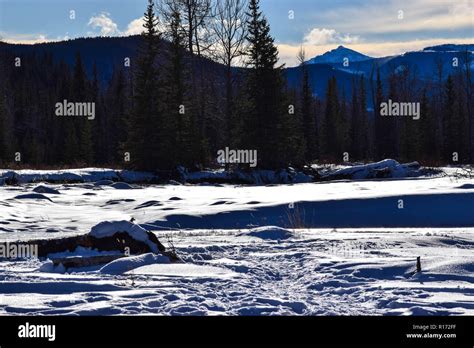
(207, 76)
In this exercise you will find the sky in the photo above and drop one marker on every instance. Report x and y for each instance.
(373, 27)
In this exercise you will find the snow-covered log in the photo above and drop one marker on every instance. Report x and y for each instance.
(124, 238)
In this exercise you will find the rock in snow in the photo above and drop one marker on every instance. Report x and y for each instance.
(270, 233)
(46, 189)
(33, 196)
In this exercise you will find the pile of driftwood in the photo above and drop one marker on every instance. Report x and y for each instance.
(122, 244)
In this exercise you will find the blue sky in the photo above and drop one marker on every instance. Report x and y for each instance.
(373, 27)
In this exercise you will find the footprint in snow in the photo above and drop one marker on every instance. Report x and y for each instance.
(148, 204)
(219, 203)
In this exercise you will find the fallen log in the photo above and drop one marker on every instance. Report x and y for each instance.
(120, 241)
(123, 237)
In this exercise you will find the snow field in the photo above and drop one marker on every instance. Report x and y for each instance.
(352, 252)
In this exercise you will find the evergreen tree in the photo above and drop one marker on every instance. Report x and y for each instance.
(143, 143)
(83, 127)
(344, 128)
(115, 119)
(381, 128)
(355, 124)
(409, 138)
(460, 122)
(392, 124)
(330, 148)
(178, 139)
(308, 117)
(427, 148)
(362, 138)
(263, 125)
(449, 112)
(64, 134)
(292, 143)
(99, 127)
(3, 115)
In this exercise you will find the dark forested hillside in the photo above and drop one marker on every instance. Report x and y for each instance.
(105, 52)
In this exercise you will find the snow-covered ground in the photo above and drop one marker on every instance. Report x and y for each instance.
(346, 247)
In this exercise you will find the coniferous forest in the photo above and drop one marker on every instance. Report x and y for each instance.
(204, 76)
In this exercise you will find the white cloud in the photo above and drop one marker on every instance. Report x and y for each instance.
(109, 28)
(29, 39)
(105, 24)
(101, 24)
(325, 36)
(135, 27)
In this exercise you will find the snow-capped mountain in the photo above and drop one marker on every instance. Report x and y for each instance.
(338, 55)
(450, 48)
(423, 62)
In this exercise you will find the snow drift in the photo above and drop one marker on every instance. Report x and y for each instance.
(126, 264)
(269, 233)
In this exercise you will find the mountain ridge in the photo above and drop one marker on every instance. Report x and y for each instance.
(109, 52)
(338, 55)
